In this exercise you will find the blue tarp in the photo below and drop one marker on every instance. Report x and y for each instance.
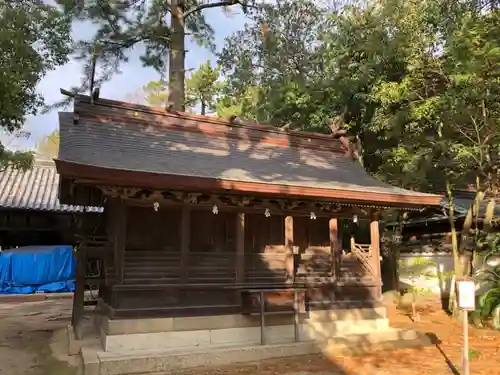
(33, 269)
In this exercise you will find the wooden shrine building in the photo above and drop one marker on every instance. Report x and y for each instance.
(203, 214)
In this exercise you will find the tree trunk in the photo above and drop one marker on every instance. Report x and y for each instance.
(203, 108)
(176, 57)
(397, 249)
(488, 217)
(471, 215)
(472, 218)
(414, 312)
(451, 218)
(452, 304)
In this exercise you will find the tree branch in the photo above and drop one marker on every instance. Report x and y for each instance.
(107, 17)
(213, 5)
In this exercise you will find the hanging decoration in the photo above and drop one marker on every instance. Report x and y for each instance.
(267, 213)
(313, 216)
(215, 209)
(156, 206)
(355, 219)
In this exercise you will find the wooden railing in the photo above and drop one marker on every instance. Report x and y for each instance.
(364, 255)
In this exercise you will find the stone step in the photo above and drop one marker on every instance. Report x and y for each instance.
(173, 360)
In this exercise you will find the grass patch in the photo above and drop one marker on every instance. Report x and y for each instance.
(473, 353)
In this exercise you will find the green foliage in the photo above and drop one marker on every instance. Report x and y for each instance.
(488, 244)
(488, 303)
(271, 65)
(15, 159)
(34, 39)
(488, 278)
(48, 147)
(413, 81)
(418, 271)
(202, 88)
(122, 25)
(473, 353)
(156, 93)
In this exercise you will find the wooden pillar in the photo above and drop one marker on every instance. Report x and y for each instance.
(119, 216)
(79, 295)
(289, 244)
(335, 246)
(185, 236)
(240, 248)
(375, 249)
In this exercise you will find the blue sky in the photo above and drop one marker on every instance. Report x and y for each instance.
(132, 77)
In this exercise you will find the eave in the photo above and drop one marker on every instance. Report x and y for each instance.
(91, 175)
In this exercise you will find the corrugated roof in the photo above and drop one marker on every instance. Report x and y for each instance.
(35, 189)
(146, 146)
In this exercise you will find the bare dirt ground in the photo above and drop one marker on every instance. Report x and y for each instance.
(26, 337)
(27, 340)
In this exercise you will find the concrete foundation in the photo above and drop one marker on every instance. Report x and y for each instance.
(196, 332)
(142, 346)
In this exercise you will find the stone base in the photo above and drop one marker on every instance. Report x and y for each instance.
(228, 330)
(169, 344)
(170, 361)
(74, 345)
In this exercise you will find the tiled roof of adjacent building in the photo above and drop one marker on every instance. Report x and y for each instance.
(116, 136)
(34, 189)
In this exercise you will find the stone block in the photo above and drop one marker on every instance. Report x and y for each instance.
(157, 341)
(172, 362)
(239, 336)
(90, 360)
(129, 326)
(74, 345)
(210, 322)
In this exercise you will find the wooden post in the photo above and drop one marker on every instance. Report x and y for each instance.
(185, 235)
(375, 249)
(119, 215)
(79, 295)
(335, 250)
(240, 248)
(289, 248)
(296, 320)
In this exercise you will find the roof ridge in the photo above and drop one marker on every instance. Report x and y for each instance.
(209, 119)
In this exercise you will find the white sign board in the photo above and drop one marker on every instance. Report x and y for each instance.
(466, 295)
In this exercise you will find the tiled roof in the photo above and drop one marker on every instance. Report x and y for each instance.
(108, 137)
(35, 189)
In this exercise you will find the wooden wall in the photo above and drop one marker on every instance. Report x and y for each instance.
(21, 227)
(160, 278)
